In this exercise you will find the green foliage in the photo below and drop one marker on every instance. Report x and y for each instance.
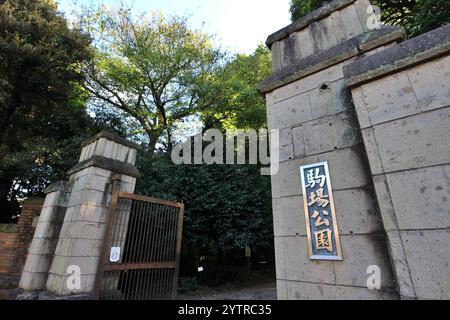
(229, 204)
(416, 16)
(149, 67)
(235, 100)
(144, 76)
(187, 284)
(39, 58)
(42, 106)
(220, 266)
(226, 208)
(300, 8)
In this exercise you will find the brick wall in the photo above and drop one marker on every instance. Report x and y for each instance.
(16, 238)
(8, 245)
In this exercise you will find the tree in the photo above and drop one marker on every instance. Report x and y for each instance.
(148, 67)
(227, 207)
(39, 57)
(41, 105)
(416, 16)
(233, 99)
(300, 8)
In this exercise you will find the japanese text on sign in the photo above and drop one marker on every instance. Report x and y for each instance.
(321, 224)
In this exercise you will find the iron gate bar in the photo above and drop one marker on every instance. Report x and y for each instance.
(109, 226)
(139, 266)
(150, 236)
(178, 250)
(133, 196)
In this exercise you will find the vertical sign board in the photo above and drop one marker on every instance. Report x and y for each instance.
(321, 224)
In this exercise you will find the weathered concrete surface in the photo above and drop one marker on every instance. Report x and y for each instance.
(395, 99)
(424, 47)
(296, 290)
(286, 181)
(356, 210)
(402, 100)
(298, 267)
(360, 252)
(424, 201)
(333, 98)
(431, 94)
(340, 130)
(309, 102)
(42, 247)
(289, 112)
(316, 16)
(80, 242)
(353, 47)
(428, 253)
(287, 219)
(400, 140)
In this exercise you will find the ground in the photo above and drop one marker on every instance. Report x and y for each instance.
(256, 288)
(7, 285)
(259, 292)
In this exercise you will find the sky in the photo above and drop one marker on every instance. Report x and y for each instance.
(238, 25)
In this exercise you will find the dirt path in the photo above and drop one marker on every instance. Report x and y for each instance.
(261, 292)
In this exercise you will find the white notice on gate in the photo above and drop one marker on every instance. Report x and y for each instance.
(114, 256)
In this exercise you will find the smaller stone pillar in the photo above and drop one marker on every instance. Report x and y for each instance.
(79, 247)
(29, 217)
(34, 275)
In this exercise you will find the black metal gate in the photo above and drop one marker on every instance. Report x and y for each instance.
(141, 251)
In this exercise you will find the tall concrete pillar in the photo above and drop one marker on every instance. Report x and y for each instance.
(309, 103)
(40, 256)
(402, 98)
(79, 245)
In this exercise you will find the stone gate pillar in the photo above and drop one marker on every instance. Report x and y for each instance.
(402, 98)
(81, 237)
(309, 103)
(42, 248)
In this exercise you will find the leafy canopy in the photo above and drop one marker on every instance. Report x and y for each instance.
(41, 101)
(235, 102)
(148, 67)
(300, 8)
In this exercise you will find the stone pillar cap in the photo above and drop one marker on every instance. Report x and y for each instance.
(110, 136)
(34, 200)
(107, 164)
(326, 58)
(61, 185)
(305, 21)
(427, 46)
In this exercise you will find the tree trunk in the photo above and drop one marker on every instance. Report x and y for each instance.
(151, 147)
(153, 136)
(169, 140)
